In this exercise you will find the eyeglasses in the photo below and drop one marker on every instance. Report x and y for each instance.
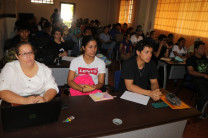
(25, 54)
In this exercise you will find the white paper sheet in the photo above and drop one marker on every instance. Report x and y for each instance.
(67, 58)
(135, 97)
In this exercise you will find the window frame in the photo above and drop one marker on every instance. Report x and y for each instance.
(41, 2)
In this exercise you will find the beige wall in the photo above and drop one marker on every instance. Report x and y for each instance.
(103, 10)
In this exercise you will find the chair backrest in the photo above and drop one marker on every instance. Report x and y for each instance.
(117, 76)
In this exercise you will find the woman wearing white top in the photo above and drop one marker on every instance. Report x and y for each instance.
(87, 63)
(179, 49)
(26, 81)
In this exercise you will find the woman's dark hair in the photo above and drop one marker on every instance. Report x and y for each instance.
(87, 39)
(57, 29)
(179, 40)
(143, 43)
(21, 44)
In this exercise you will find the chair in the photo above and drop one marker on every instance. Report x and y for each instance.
(187, 83)
(117, 76)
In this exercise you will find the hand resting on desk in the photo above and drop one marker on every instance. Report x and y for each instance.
(155, 94)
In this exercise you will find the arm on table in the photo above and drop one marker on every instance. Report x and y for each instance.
(192, 72)
(12, 97)
(154, 94)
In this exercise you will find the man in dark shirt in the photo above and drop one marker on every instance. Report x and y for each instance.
(22, 36)
(161, 49)
(197, 66)
(139, 70)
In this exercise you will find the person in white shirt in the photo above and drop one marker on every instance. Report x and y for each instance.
(26, 81)
(87, 63)
(179, 49)
(136, 37)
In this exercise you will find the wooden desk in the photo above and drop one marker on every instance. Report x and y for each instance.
(94, 119)
(177, 71)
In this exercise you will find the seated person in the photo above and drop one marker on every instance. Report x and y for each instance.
(161, 49)
(179, 49)
(136, 37)
(139, 28)
(115, 30)
(170, 38)
(26, 81)
(152, 37)
(22, 36)
(87, 64)
(42, 39)
(126, 48)
(191, 48)
(197, 66)
(139, 70)
(67, 38)
(55, 48)
(107, 43)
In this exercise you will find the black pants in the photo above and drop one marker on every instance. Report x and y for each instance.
(201, 86)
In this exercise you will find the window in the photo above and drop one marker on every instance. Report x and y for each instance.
(43, 1)
(126, 11)
(184, 18)
(67, 13)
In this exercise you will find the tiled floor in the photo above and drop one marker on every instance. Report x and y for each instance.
(195, 128)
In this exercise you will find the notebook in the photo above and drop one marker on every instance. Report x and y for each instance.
(101, 96)
(21, 116)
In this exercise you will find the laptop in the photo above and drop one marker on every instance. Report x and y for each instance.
(21, 116)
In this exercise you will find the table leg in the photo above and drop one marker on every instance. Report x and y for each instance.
(165, 76)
